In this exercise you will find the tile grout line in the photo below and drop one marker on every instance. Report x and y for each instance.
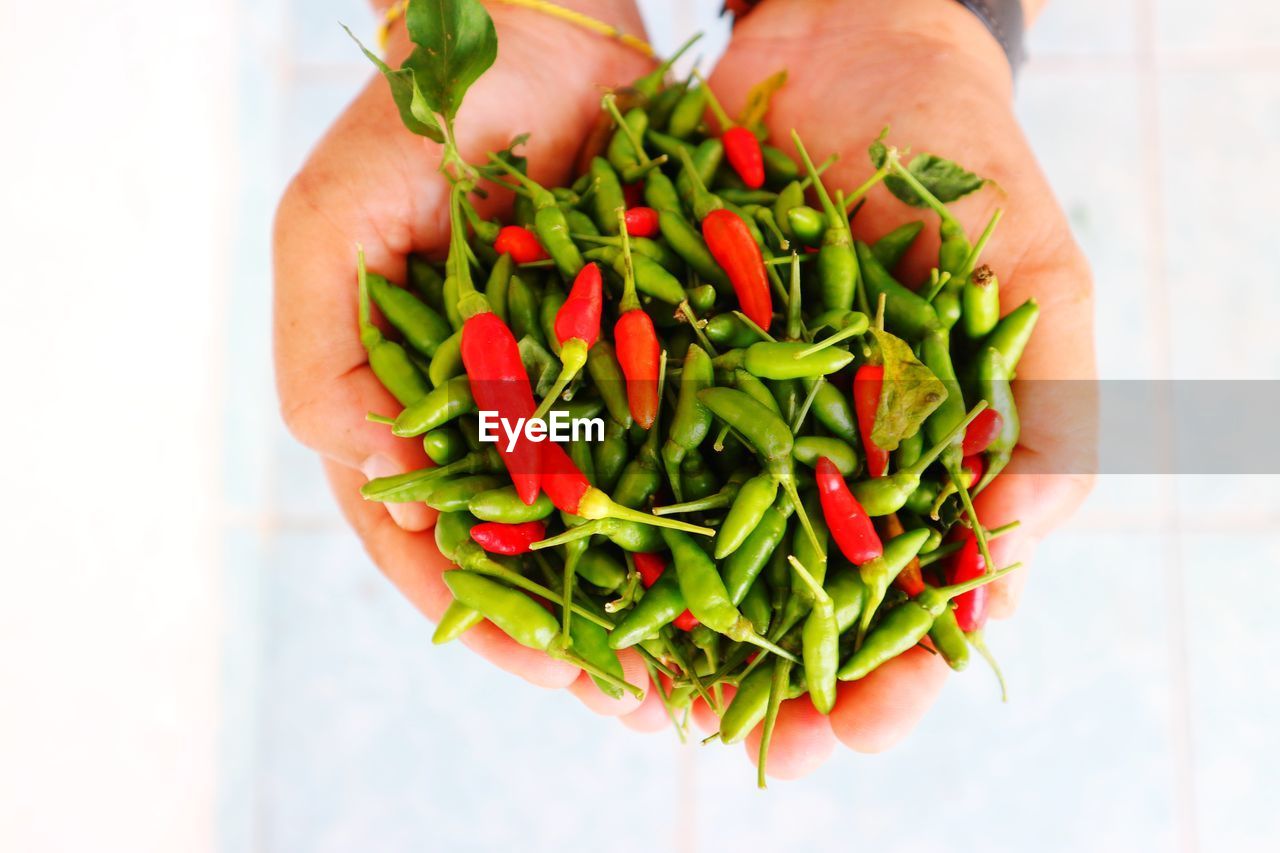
(1149, 77)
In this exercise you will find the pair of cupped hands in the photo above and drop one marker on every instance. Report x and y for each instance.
(927, 68)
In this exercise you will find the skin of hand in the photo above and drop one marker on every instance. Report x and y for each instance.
(932, 72)
(370, 181)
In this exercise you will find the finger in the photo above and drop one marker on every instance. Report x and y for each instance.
(704, 718)
(415, 565)
(802, 741)
(874, 713)
(651, 716)
(633, 672)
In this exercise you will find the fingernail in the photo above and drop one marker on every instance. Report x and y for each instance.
(406, 515)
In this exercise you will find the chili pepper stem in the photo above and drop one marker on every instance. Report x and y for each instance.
(375, 418)
(596, 505)
(937, 281)
(718, 444)
(851, 331)
(751, 324)
(819, 593)
(653, 662)
(807, 180)
(666, 701)
(778, 686)
(711, 738)
(795, 323)
(497, 570)
(722, 117)
(852, 199)
(972, 260)
(956, 474)
(565, 654)
(931, 455)
(689, 674)
(610, 103)
(566, 601)
(803, 412)
(687, 312)
(895, 165)
(573, 357)
(950, 548)
(788, 485)
(769, 646)
(715, 501)
(572, 534)
(979, 642)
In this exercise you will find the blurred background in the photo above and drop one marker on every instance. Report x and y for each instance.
(196, 654)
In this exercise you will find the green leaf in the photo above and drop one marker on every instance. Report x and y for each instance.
(879, 151)
(909, 394)
(455, 43)
(414, 111)
(946, 180)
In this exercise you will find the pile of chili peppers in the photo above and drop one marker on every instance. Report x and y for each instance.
(782, 498)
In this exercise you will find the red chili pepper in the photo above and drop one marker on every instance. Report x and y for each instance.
(981, 431)
(849, 522)
(650, 567)
(867, 383)
(973, 466)
(633, 193)
(686, 621)
(520, 244)
(579, 317)
(640, 356)
(509, 539)
(735, 250)
(971, 607)
(499, 384)
(561, 479)
(742, 150)
(642, 221)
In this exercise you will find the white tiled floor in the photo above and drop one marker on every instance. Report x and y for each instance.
(1143, 659)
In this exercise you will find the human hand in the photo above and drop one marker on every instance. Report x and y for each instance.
(933, 73)
(372, 182)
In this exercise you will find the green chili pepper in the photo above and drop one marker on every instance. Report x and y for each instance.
(812, 554)
(444, 445)
(450, 295)
(417, 486)
(923, 497)
(837, 263)
(592, 643)
(606, 373)
(447, 362)
(767, 433)
(686, 242)
(702, 298)
(426, 281)
(454, 495)
(890, 249)
(583, 405)
(697, 478)
(630, 162)
(909, 450)
(753, 500)
(548, 221)
(993, 385)
(782, 360)
(981, 303)
(599, 567)
(522, 308)
(669, 145)
(810, 448)
(806, 224)
(663, 104)
(848, 594)
(439, 406)
(504, 505)
(821, 643)
(687, 113)
(748, 706)
(423, 328)
(516, 615)
(907, 624)
(744, 564)
(606, 195)
(705, 594)
(833, 411)
(387, 359)
(456, 620)
(660, 193)
(698, 171)
(1011, 334)
(692, 420)
(905, 311)
(779, 168)
(751, 385)
(755, 606)
(452, 529)
(949, 640)
(953, 254)
(880, 572)
(498, 284)
(730, 330)
(935, 352)
(651, 277)
(659, 607)
(790, 196)
(552, 300)
(611, 455)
